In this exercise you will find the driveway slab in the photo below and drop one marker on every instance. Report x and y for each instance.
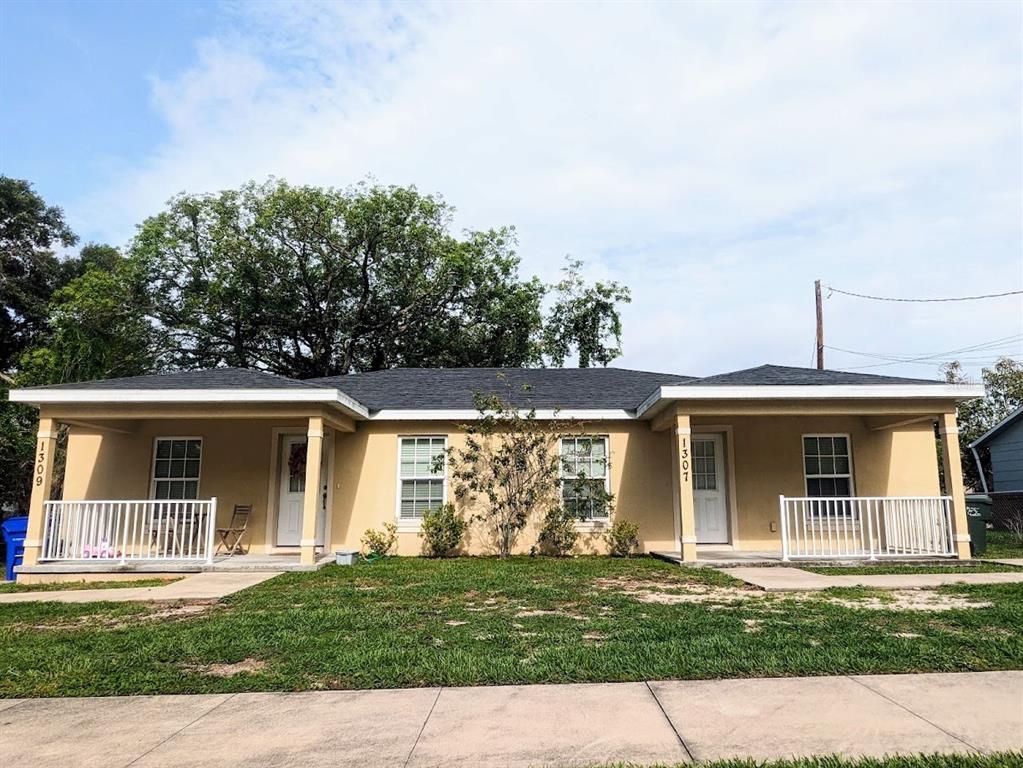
(561, 725)
(101, 732)
(330, 728)
(785, 717)
(984, 709)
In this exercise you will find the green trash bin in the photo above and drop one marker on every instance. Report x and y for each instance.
(978, 514)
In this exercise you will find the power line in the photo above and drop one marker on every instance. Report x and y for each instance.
(892, 360)
(991, 346)
(889, 298)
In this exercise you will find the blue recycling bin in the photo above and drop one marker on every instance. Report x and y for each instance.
(14, 530)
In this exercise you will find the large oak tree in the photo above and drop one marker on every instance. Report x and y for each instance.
(305, 281)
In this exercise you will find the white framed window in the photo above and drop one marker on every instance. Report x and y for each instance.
(827, 465)
(422, 476)
(584, 477)
(177, 464)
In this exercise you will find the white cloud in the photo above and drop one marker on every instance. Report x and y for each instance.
(716, 158)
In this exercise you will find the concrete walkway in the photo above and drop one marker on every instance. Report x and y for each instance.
(562, 725)
(200, 586)
(797, 580)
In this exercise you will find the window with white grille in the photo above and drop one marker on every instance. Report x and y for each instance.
(584, 477)
(421, 484)
(176, 465)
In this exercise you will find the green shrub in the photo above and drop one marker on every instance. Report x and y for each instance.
(622, 537)
(558, 533)
(442, 531)
(380, 542)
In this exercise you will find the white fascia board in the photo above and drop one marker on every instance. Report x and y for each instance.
(815, 392)
(326, 395)
(398, 414)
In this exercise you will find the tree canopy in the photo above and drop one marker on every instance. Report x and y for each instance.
(301, 281)
(304, 281)
(1003, 393)
(30, 272)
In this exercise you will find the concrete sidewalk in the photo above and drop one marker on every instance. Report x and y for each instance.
(564, 725)
(211, 585)
(788, 579)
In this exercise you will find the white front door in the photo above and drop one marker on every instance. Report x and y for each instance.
(292, 491)
(709, 497)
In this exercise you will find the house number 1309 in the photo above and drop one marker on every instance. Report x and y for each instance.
(40, 458)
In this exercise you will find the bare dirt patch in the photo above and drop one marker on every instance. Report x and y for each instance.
(243, 667)
(910, 600)
(529, 613)
(682, 592)
(672, 592)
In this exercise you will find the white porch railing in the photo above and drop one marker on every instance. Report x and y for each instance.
(129, 531)
(868, 527)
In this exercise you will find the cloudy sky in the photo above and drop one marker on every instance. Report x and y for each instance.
(717, 158)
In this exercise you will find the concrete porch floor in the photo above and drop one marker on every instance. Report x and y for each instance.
(724, 557)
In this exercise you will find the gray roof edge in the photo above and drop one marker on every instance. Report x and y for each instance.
(997, 428)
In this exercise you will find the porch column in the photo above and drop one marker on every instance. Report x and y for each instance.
(953, 468)
(682, 486)
(42, 480)
(311, 499)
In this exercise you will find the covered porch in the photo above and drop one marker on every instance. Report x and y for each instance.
(151, 489)
(777, 481)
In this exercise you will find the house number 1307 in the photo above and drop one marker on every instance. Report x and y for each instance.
(684, 455)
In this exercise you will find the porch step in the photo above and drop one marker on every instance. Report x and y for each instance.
(236, 564)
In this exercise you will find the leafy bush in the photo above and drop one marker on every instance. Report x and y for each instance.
(622, 538)
(558, 534)
(380, 542)
(442, 531)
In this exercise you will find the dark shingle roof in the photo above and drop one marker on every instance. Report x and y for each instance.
(453, 388)
(211, 378)
(783, 375)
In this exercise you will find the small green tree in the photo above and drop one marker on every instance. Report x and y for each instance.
(510, 466)
(558, 533)
(622, 538)
(442, 531)
(380, 543)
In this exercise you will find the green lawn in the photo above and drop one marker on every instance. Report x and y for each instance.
(997, 760)
(10, 586)
(887, 569)
(412, 622)
(1002, 544)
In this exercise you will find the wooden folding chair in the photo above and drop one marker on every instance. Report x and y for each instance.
(231, 537)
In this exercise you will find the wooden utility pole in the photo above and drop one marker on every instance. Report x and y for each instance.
(820, 326)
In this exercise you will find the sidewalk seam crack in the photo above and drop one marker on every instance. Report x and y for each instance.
(179, 730)
(420, 734)
(671, 724)
(916, 714)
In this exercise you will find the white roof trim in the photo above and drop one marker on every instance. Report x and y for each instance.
(467, 414)
(814, 392)
(327, 395)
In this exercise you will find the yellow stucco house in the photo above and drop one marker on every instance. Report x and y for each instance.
(777, 461)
